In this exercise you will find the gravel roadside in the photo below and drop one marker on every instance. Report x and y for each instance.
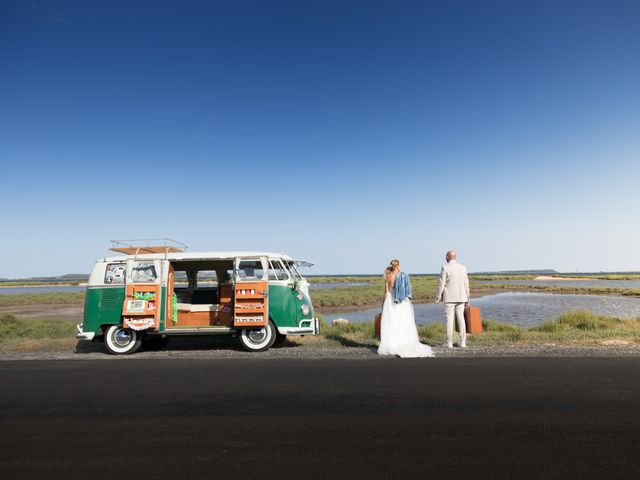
(207, 350)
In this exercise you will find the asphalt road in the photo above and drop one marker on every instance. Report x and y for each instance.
(331, 418)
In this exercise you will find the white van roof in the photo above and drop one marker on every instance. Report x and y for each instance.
(202, 256)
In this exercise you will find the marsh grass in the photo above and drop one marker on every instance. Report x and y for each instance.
(328, 279)
(42, 298)
(634, 292)
(576, 327)
(424, 289)
(15, 330)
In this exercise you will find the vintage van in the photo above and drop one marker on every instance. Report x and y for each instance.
(152, 293)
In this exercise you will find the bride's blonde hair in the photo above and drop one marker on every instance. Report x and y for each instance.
(393, 264)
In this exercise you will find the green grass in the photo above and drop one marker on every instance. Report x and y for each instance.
(424, 290)
(14, 329)
(35, 298)
(501, 277)
(37, 283)
(634, 292)
(627, 276)
(328, 279)
(572, 328)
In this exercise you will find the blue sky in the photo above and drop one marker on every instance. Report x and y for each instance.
(346, 132)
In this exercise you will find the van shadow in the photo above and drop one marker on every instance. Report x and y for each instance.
(184, 344)
(176, 344)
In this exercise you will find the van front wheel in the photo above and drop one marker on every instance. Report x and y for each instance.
(122, 341)
(258, 339)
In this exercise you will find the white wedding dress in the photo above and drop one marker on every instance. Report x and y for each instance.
(398, 332)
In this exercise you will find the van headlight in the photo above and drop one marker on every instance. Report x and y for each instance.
(305, 309)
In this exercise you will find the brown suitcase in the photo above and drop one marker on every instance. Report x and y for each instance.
(472, 320)
(377, 321)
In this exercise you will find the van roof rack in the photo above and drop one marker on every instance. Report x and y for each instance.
(147, 245)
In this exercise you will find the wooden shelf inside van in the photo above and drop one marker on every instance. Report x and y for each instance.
(251, 304)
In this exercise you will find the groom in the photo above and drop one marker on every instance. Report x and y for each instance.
(454, 292)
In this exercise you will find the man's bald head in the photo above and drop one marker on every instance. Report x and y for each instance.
(451, 255)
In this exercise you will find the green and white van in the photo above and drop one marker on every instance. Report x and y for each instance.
(140, 299)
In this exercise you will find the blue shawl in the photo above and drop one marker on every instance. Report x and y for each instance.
(402, 288)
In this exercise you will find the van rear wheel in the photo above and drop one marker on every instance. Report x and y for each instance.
(258, 339)
(122, 341)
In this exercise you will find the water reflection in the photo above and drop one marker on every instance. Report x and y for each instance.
(524, 309)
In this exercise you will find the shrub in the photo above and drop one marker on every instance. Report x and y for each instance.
(12, 327)
(585, 320)
(549, 327)
(495, 326)
(434, 331)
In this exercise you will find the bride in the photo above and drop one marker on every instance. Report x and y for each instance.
(398, 332)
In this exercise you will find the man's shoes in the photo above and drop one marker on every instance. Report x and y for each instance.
(462, 345)
(447, 344)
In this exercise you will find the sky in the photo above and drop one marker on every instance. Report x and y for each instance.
(343, 132)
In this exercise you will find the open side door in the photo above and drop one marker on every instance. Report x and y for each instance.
(251, 292)
(141, 308)
(171, 316)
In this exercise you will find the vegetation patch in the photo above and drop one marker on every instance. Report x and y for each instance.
(424, 290)
(42, 298)
(15, 331)
(576, 327)
(635, 292)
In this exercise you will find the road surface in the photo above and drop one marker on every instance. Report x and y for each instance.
(328, 418)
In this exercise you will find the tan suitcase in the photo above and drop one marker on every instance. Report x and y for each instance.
(377, 321)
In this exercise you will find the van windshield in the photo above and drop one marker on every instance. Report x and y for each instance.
(294, 271)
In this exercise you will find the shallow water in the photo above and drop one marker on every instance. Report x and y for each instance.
(524, 309)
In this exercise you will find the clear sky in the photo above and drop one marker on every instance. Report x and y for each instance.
(344, 132)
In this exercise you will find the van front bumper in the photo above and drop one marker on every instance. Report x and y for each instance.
(309, 326)
(82, 335)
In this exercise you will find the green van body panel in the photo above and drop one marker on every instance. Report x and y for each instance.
(102, 306)
(282, 306)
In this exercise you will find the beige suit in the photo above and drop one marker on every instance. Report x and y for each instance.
(454, 292)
